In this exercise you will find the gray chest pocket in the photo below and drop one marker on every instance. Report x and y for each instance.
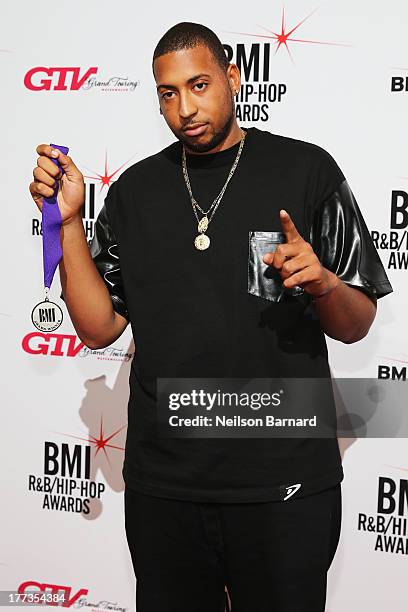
(263, 280)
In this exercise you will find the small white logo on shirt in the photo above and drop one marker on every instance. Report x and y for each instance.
(291, 490)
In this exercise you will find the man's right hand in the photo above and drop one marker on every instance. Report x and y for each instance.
(71, 193)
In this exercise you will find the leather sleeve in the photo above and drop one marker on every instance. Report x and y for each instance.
(104, 251)
(342, 242)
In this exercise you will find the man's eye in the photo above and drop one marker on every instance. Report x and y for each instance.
(167, 95)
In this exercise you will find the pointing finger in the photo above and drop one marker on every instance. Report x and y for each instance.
(288, 227)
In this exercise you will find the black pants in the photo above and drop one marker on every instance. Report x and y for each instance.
(271, 556)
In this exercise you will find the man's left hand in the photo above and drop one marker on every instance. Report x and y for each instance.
(298, 264)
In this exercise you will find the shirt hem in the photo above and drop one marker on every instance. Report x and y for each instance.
(282, 492)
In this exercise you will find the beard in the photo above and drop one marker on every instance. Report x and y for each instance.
(216, 139)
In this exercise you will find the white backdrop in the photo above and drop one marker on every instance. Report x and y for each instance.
(342, 79)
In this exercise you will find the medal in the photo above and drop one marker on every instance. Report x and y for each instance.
(46, 315)
(202, 242)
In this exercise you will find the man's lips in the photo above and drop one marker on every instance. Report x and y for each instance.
(195, 130)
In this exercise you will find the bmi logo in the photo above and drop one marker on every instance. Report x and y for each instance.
(254, 62)
(66, 484)
(46, 316)
(389, 524)
(394, 241)
(399, 84)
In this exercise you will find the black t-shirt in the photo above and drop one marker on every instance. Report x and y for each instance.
(197, 314)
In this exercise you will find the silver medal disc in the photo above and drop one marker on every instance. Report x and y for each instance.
(46, 316)
(202, 242)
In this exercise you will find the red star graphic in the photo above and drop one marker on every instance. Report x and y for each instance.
(106, 179)
(100, 443)
(397, 467)
(284, 36)
(393, 359)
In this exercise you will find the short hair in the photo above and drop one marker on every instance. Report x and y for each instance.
(187, 35)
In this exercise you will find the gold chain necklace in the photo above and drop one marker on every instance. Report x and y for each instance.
(202, 241)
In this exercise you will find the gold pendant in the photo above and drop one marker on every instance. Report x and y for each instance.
(202, 242)
(203, 224)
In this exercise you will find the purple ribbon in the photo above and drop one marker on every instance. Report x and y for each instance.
(51, 225)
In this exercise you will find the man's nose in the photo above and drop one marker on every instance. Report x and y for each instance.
(188, 107)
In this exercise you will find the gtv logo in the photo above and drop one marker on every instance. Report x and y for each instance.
(59, 345)
(53, 589)
(42, 78)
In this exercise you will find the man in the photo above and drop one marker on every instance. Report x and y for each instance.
(182, 252)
